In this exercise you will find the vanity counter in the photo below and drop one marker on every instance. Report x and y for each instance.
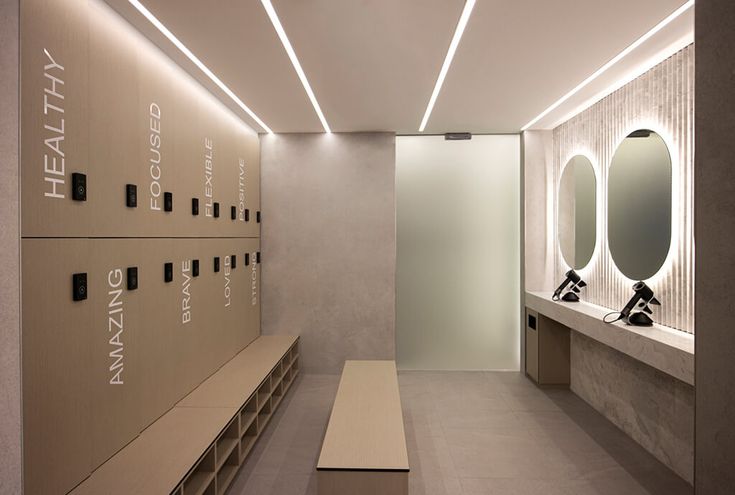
(665, 349)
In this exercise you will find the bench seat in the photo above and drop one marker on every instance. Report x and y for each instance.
(197, 447)
(364, 449)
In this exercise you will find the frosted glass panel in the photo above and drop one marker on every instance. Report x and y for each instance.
(458, 267)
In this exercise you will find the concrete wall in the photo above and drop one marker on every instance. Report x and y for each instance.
(715, 207)
(10, 406)
(653, 408)
(329, 245)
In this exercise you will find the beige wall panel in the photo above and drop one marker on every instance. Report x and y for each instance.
(55, 116)
(114, 151)
(159, 318)
(57, 341)
(115, 376)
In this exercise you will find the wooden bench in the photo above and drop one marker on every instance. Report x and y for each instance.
(197, 447)
(364, 449)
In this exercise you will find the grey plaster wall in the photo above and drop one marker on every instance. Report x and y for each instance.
(329, 245)
(714, 206)
(653, 408)
(538, 210)
(10, 406)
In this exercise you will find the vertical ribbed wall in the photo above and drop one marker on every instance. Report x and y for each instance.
(662, 100)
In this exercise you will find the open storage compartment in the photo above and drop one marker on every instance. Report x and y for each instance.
(201, 479)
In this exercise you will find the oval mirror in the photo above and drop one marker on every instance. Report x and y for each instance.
(577, 212)
(639, 204)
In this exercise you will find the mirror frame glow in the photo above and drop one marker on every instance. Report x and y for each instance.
(676, 212)
(598, 205)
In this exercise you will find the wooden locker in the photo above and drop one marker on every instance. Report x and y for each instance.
(116, 380)
(249, 152)
(115, 155)
(158, 319)
(251, 329)
(57, 369)
(54, 121)
(158, 168)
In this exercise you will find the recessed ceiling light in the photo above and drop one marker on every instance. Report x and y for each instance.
(658, 27)
(461, 25)
(294, 60)
(173, 39)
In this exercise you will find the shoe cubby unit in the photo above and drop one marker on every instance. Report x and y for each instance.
(198, 446)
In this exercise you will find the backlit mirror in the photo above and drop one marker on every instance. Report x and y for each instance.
(577, 224)
(639, 204)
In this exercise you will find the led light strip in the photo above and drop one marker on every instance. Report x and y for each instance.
(461, 25)
(658, 27)
(173, 39)
(294, 60)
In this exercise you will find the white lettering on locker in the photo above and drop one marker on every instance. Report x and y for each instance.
(186, 292)
(254, 281)
(241, 184)
(208, 174)
(228, 289)
(53, 111)
(154, 140)
(115, 325)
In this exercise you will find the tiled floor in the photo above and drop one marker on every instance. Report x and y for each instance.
(468, 433)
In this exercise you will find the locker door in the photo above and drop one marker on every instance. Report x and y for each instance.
(210, 337)
(251, 329)
(189, 369)
(115, 376)
(56, 364)
(160, 314)
(249, 154)
(54, 119)
(193, 158)
(156, 125)
(114, 127)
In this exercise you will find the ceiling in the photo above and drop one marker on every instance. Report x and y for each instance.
(372, 64)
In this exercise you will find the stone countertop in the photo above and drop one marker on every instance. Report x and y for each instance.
(666, 349)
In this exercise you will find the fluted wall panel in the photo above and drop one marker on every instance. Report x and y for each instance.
(662, 100)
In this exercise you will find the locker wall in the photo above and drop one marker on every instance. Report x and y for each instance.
(98, 371)
(100, 101)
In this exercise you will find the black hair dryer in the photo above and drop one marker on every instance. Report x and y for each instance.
(642, 299)
(572, 295)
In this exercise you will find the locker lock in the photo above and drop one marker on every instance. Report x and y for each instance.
(131, 195)
(216, 264)
(247, 259)
(257, 216)
(247, 214)
(168, 272)
(195, 268)
(257, 257)
(79, 187)
(195, 206)
(168, 201)
(233, 261)
(216, 210)
(79, 286)
(233, 213)
(132, 277)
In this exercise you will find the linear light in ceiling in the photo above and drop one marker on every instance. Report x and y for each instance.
(658, 27)
(461, 25)
(294, 60)
(173, 39)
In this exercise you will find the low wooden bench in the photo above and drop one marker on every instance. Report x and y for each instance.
(364, 449)
(197, 447)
